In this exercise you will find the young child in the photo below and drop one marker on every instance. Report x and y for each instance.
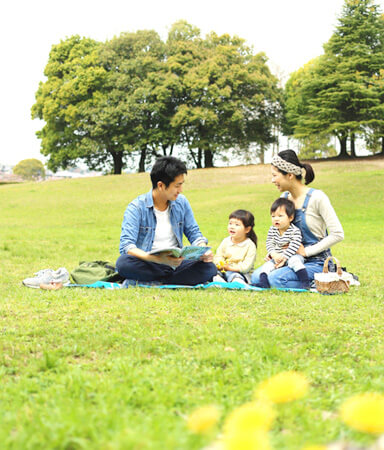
(236, 254)
(283, 241)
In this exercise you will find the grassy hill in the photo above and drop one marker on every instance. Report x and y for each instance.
(98, 369)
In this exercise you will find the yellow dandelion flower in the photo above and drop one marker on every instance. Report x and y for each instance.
(364, 412)
(315, 447)
(249, 417)
(203, 419)
(283, 387)
(251, 440)
(217, 445)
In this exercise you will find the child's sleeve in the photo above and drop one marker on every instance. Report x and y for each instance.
(269, 244)
(219, 255)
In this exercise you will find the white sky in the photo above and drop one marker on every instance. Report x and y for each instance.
(290, 32)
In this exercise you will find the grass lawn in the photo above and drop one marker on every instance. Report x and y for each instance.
(94, 369)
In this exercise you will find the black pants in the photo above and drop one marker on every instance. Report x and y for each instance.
(188, 273)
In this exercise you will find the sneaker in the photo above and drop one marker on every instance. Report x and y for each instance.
(218, 278)
(239, 280)
(47, 276)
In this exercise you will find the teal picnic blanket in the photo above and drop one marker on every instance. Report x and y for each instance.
(234, 285)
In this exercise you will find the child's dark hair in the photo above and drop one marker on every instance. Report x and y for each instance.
(248, 220)
(282, 202)
(166, 169)
(291, 157)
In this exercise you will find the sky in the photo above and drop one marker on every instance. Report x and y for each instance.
(291, 33)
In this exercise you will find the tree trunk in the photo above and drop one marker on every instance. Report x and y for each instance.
(208, 158)
(117, 162)
(353, 148)
(143, 155)
(343, 146)
(199, 162)
(382, 145)
(261, 154)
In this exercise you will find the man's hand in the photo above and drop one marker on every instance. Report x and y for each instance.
(169, 260)
(207, 257)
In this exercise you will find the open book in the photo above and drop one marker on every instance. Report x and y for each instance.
(192, 252)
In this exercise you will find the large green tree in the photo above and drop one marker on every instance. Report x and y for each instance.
(136, 96)
(74, 80)
(229, 97)
(130, 111)
(341, 93)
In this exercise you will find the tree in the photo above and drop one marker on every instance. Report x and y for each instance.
(30, 169)
(74, 82)
(138, 96)
(230, 99)
(130, 111)
(341, 93)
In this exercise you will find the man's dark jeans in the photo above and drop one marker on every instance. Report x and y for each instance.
(188, 273)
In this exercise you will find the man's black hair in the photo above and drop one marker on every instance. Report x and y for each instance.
(282, 202)
(166, 169)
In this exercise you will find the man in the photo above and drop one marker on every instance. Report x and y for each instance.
(158, 220)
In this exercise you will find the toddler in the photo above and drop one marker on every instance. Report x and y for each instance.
(283, 241)
(236, 254)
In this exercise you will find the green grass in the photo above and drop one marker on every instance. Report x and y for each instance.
(94, 369)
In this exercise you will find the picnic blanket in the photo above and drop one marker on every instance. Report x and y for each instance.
(234, 285)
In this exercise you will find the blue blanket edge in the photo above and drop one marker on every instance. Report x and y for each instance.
(234, 285)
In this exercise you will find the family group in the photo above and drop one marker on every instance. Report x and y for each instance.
(304, 228)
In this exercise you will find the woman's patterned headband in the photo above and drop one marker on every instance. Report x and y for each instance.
(286, 166)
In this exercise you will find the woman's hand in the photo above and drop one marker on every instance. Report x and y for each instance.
(301, 251)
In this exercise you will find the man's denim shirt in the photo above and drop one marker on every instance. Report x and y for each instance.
(139, 223)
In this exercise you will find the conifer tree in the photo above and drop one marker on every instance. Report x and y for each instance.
(343, 91)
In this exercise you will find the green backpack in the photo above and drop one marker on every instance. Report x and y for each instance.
(92, 271)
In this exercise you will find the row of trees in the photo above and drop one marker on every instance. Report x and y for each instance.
(341, 93)
(138, 97)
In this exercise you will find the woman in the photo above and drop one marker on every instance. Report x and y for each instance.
(314, 215)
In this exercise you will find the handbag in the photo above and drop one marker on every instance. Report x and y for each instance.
(331, 282)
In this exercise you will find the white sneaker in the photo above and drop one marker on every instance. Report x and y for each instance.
(218, 278)
(47, 276)
(239, 280)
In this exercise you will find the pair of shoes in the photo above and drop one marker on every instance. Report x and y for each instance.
(47, 276)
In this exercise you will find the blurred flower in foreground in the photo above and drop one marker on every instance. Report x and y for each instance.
(250, 440)
(315, 447)
(283, 387)
(257, 415)
(364, 412)
(203, 419)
